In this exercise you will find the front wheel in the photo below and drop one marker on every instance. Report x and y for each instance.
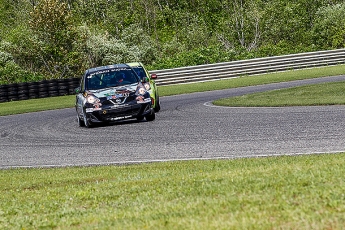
(151, 116)
(158, 105)
(140, 118)
(80, 121)
(87, 123)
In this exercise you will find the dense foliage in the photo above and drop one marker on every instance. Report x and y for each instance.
(61, 38)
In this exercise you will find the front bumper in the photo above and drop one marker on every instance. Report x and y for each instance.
(118, 112)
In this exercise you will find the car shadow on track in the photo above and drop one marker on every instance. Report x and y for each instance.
(117, 123)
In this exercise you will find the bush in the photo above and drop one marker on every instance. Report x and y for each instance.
(12, 73)
(198, 56)
(329, 26)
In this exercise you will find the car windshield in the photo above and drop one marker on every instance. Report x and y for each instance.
(140, 71)
(110, 78)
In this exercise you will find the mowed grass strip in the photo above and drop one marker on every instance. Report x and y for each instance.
(34, 105)
(289, 192)
(311, 95)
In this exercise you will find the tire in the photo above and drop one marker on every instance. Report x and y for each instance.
(151, 117)
(22, 86)
(71, 91)
(140, 118)
(23, 97)
(62, 84)
(62, 87)
(3, 94)
(73, 84)
(53, 88)
(33, 91)
(3, 88)
(13, 98)
(23, 91)
(158, 106)
(3, 99)
(87, 123)
(12, 93)
(43, 89)
(63, 92)
(33, 85)
(53, 93)
(33, 95)
(52, 82)
(12, 87)
(43, 95)
(80, 121)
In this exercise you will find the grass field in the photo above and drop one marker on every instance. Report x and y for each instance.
(288, 192)
(310, 95)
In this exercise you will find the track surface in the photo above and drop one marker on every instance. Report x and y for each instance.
(187, 127)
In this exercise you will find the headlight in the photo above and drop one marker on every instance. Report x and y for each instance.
(91, 99)
(141, 91)
(147, 86)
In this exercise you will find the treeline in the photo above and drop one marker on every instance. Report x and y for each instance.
(48, 39)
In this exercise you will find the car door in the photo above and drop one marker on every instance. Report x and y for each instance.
(79, 96)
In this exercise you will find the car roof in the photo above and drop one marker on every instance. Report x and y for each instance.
(100, 68)
(134, 64)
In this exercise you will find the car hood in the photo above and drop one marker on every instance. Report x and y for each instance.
(115, 90)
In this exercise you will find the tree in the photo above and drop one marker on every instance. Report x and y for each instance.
(241, 25)
(329, 26)
(51, 22)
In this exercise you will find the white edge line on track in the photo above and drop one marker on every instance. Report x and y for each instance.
(118, 163)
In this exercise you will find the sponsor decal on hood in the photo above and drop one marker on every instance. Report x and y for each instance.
(116, 91)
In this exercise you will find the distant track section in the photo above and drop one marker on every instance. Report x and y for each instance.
(234, 69)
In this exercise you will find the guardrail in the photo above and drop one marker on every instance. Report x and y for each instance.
(224, 70)
(190, 74)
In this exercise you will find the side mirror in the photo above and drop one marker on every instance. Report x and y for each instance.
(145, 79)
(153, 76)
(77, 90)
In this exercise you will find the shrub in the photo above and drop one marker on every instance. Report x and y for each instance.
(329, 26)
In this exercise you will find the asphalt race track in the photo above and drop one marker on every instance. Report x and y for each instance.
(187, 127)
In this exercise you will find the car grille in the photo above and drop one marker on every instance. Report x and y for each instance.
(119, 113)
(113, 101)
(118, 100)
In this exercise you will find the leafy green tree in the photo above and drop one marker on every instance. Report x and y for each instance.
(241, 25)
(62, 38)
(329, 26)
(10, 71)
(51, 21)
(13, 13)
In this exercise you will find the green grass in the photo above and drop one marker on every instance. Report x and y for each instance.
(290, 192)
(17, 107)
(320, 94)
(35, 105)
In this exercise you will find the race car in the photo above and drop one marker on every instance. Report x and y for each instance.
(112, 93)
